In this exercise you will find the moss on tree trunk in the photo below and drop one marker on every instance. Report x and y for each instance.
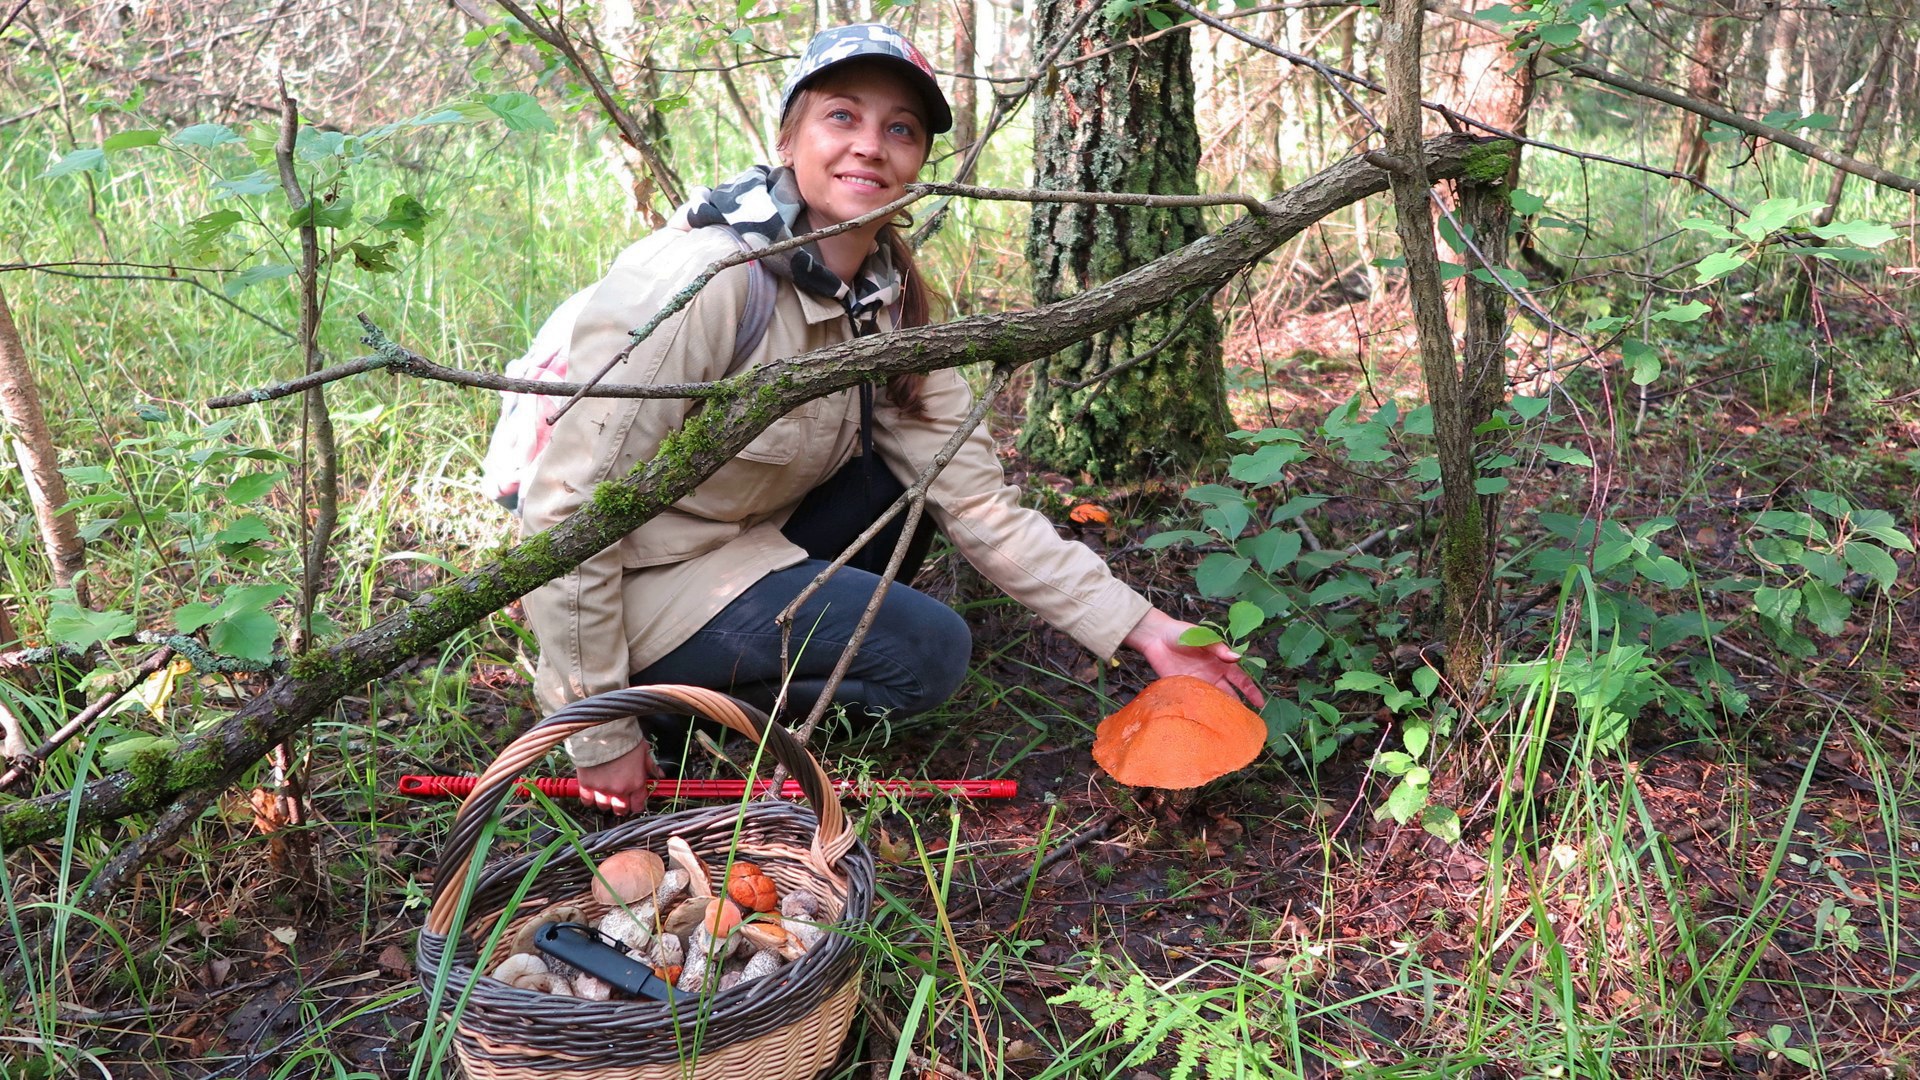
(1121, 122)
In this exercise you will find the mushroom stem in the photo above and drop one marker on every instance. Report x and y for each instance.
(697, 877)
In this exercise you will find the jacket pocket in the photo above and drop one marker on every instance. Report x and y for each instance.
(782, 440)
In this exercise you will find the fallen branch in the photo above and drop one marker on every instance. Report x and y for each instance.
(318, 678)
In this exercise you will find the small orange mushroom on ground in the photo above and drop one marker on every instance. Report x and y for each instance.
(751, 888)
(1179, 732)
(1090, 514)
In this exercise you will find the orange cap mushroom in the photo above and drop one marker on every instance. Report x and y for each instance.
(1179, 732)
(751, 888)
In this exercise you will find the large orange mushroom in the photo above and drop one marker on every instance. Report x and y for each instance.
(1179, 732)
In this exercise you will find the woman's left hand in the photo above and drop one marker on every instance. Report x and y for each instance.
(1157, 637)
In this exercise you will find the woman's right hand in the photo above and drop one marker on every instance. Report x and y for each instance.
(620, 785)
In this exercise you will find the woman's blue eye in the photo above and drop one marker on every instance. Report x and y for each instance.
(903, 130)
(839, 114)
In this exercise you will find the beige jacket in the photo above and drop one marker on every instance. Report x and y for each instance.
(635, 602)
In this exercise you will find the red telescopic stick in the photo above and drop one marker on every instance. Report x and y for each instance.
(568, 788)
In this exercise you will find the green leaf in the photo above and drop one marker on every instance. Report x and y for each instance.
(69, 624)
(1525, 202)
(190, 617)
(1824, 566)
(323, 213)
(1360, 680)
(1490, 485)
(1873, 561)
(1565, 455)
(241, 599)
(205, 232)
(1200, 636)
(1775, 213)
(520, 111)
(1266, 465)
(1710, 227)
(1175, 536)
(1415, 735)
(1393, 763)
(407, 216)
(245, 530)
(1219, 574)
(1244, 618)
(1295, 507)
(252, 486)
(1830, 503)
(1529, 408)
(248, 635)
(1426, 681)
(1827, 608)
(254, 275)
(1680, 626)
(1792, 522)
(1299, 642)
(85, 159)
(1556, 35)
(1641, 360)
(1513, 279)
(1442, 822)
(1680, 313)
(1273, 549)
(1867, 234)
(129, 140)
(1886, 534)
(1405, 801)
(1780, 605)
(1663, 570)
(207, 136)
(374, 258)
(1340, 588)
(254, 183)
(1718, 265)
(1283, 719)
(1452, 271)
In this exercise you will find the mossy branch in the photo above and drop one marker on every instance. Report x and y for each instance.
(745, 405)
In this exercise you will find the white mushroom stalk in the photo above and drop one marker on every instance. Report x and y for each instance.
(698, 878)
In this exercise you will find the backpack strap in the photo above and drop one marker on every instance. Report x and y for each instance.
(758, 314)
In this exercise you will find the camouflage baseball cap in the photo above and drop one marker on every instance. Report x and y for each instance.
(870, 41)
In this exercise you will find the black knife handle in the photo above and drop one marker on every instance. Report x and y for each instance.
(585, 948)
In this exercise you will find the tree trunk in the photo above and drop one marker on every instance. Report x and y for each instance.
(1706, 78)
(713, 435)
(965, 99)
(33, 447)
(1123, 122)
(1783, 59)
(1464, 575)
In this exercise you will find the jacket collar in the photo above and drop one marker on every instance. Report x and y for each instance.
(819, 309)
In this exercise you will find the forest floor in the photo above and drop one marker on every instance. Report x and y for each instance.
(1773, 928)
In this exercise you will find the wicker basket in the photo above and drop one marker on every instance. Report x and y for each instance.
(788, 1026)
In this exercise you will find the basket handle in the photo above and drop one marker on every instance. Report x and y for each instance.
(832, 839)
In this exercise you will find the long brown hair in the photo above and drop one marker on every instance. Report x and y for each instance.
(916, 300)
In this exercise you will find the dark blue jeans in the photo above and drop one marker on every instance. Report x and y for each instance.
(913, 658)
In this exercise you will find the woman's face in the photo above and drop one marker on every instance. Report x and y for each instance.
(855, 140)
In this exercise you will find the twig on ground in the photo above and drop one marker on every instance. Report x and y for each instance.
(1080, 838)
(878, 1018)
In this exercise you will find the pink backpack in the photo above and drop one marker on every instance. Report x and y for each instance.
(523, 431)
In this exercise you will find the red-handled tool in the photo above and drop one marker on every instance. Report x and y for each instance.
(567, 788)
